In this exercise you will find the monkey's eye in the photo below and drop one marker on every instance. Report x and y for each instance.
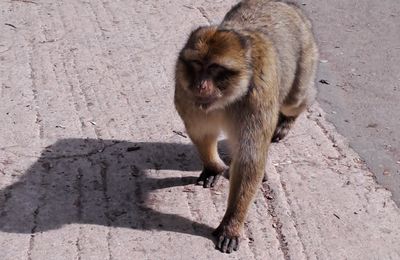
(215, 68)
(196, 64)
(223, 77)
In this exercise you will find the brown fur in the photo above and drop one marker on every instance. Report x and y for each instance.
(240, 77)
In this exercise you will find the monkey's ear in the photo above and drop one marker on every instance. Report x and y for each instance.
(199, 33)
(194, 33)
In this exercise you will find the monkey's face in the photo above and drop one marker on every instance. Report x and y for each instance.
(213, 67)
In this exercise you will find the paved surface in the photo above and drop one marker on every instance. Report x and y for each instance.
(360, 41)
(91, 168)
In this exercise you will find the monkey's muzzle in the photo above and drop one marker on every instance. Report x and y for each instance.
(205, 102)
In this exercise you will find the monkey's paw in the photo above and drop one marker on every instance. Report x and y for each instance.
(209, 178)
(226, 241)
(283, 127)
(280, 132)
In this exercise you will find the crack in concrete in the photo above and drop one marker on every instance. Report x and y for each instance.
(106, 198)
(41, 203)
(78, 187)
(204, 14)
(277, 224)
(250, 235)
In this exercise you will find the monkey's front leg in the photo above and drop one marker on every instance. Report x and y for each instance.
(207, 146)
(246, 174)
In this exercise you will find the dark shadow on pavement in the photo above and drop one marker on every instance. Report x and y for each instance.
(100, 182)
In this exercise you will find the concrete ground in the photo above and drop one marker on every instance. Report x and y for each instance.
(95, 164)
(360, 44)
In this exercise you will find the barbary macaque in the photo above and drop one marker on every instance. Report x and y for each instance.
(251, 77)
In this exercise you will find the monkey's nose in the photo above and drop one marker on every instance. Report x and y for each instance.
(203, 85)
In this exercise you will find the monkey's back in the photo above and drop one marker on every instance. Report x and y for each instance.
(285, 26)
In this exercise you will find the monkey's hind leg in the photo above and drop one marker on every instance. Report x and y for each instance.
(301, 95)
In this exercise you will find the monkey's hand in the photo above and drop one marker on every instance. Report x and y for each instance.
(209, 177)
(227, 238)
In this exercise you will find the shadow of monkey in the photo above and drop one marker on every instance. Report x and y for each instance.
(101, 182)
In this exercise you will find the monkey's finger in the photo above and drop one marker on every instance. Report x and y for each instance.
(231, 245)
(235, 245)
(220, 241)
(275, 139)
(199, 181)
(208, 181)
(215, 181)
(224, 248)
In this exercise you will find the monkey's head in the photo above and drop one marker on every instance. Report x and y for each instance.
(213, 68)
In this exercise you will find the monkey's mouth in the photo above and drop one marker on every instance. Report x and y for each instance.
(205, 102)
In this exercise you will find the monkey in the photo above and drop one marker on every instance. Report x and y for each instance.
(250, 76)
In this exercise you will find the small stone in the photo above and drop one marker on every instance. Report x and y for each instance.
(324, 81)
(372, 125)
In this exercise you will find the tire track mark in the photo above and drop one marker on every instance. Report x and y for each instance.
(78, 187)
(149, 91)
(96, 44)
(39, 119)
(84, 97)
(58, 57)
(106, 199)
(111, 68)
(72, 90)
(33, 74)
(42, 202)
(90, 99)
